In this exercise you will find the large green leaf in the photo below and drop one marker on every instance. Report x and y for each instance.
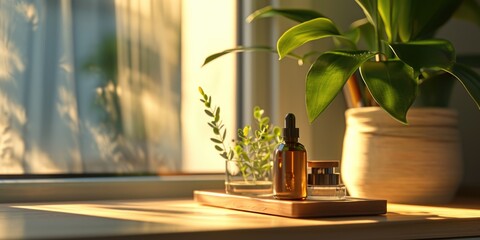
(469, 79)
(245, 49)
(421, 19)
(369, 8)
(327, 75)
(392, 85)
(433, 53)
(305, 32)
(389, 17)
(298, 15)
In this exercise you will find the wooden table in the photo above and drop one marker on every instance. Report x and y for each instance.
(186, 219)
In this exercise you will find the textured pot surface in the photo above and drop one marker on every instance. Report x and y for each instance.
(416, 163)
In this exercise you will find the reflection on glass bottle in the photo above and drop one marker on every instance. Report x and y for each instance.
(290, 165)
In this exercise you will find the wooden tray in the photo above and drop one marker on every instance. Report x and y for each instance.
(294, 209)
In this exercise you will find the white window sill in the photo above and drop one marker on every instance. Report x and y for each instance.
(106, 188)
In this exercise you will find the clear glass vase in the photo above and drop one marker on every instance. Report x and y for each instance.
(244, 179)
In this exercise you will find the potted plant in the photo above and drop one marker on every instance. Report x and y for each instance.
(248, 163)
(402, 63)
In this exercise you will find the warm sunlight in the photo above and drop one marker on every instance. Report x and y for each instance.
(183, 215)
(202, 22)
(433, 212)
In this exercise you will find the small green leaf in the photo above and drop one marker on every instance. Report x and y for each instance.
(209, 102)
(246, 49)
(240, 133)
(257, 112)
(208, 113)
(266, 166)
(299, 15)
(305, 32)
(257, 134)
(224, 134)
(469, 79)
(201, 91)
(264, 121)
(216, 131)
(327, 76)
(219, 148)
(215, 140)
(392, 85)
(249, 164)
(245, 156)
(238, 149)
(277, 131)
(246, 130)
(217, 114)
(433, 53)
(238, 49)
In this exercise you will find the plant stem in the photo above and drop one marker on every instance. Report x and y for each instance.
(378, 27)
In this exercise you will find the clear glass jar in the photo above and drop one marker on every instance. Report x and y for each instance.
(242, 180)
(324, 181)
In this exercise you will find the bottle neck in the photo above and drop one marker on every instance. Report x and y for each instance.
(291, 140)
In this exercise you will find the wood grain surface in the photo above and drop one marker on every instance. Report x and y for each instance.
(186, 219)
(295, 209)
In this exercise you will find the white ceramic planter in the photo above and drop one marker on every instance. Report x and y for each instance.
(418, 163)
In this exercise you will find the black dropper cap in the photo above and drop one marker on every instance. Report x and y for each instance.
(290, 132)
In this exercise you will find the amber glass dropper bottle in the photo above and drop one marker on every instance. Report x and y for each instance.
(290, 165)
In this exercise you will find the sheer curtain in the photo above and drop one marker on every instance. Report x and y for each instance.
(149, 78)
(89, 86)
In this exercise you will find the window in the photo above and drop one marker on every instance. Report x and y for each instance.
(90, 86)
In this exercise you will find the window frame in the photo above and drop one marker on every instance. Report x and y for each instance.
(57, 189)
